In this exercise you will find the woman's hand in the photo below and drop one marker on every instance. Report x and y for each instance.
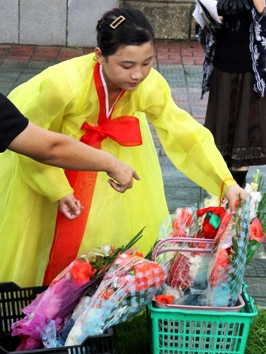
(70, 207)
(233, 193)
(122, 176)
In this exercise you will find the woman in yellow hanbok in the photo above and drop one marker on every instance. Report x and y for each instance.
(103, 100)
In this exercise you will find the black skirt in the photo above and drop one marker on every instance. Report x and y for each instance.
(236, 116)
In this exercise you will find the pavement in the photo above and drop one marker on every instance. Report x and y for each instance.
(181, 65)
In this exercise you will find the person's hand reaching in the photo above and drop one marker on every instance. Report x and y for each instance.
(233, 193)
(122, 177)
(70, 207)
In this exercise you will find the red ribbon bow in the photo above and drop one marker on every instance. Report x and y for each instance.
(209, 230)
(124, 130)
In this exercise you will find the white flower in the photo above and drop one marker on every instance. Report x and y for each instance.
(251, 187)
(254, 186)
(212, 201)
(167, 289)
(107, 248)
(248, 188)
(195, 263)
(254, 203)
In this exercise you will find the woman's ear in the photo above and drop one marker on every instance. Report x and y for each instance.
(98, 55)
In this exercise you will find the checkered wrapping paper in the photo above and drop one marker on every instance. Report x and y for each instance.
(237, 267)
(126, 289)
(226, 270)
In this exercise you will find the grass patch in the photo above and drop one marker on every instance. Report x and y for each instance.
(256, 343)
(133, 335)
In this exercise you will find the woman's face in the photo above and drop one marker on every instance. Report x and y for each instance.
(125, 69)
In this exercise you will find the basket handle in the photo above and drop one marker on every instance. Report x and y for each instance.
(158, 248)
(9, 286)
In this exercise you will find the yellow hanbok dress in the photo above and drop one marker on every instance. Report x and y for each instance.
(62, 98)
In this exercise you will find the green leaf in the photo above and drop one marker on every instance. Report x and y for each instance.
(235, 245)
(131, 243)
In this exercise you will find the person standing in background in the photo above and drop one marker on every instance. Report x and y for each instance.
(234, 74)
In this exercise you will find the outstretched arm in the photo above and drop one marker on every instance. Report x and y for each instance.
(62, 151)
(259, 4)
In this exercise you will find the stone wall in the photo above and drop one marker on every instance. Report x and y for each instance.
(72, 22)
(51, 22)
(171, 19)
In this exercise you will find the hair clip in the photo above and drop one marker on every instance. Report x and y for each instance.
(117, 22)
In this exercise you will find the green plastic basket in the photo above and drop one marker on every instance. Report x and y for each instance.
(177, 331)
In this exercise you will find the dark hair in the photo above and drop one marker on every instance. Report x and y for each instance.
(134, 30)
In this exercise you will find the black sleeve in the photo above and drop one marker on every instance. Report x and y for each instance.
(12, 122)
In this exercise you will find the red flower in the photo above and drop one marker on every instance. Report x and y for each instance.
(165, 299)
(183, 220)
(223, 226)
(81, 271)
(219, 271)
(139, 254)
(256, 231)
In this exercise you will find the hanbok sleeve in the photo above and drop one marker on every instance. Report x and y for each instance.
(187, 143)
(43, 100)
(48, 181)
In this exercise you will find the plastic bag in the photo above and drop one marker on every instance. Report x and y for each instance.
(187, 268)
(128, 286)
(226, 270)
(48, 314)
(56, 303)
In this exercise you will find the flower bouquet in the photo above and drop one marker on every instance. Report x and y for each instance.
(194, 230)
(227, 266)
(129, 285)
(210, 273)
(213, 279)
(257, 215)
(237, 240)
(54, 306)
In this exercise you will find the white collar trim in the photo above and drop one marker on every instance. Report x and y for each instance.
(108, 111)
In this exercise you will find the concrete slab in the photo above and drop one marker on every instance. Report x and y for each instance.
(44, 23)
(9, 14)
(82, 20)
